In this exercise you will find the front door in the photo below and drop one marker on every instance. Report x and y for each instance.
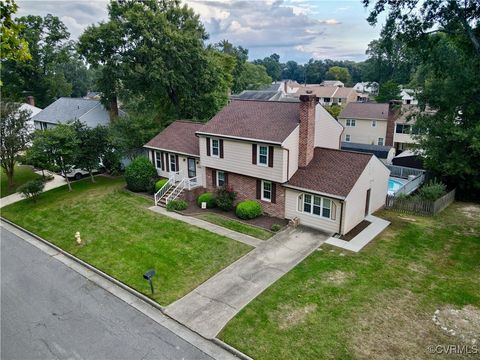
(367, 203)
(192, 168)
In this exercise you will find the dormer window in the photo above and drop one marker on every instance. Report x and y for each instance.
(262, 155)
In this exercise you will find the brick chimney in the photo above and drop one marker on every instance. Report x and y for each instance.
(394, 109)
(31, 100)
(306, 144)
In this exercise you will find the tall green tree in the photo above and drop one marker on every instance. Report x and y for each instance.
(14, 136)
(12, 45)
(444, 34)
(389, 90)
(61, 143)
(339, 73)
(54, 67)
(155, 49)
(272, 65)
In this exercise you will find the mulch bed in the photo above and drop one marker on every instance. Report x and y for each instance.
(263, 221)
(355, 231)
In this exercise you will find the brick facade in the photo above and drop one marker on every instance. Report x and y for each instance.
(307, 129)
(393, 114)
(246, 189)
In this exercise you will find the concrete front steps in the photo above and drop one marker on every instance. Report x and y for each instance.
(163, 200)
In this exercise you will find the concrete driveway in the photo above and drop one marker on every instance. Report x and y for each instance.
(209, 307)
(49, 311)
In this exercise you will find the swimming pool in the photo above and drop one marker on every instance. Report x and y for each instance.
(394, 184)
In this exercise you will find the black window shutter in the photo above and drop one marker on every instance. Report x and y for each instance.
(226, 177)
(167, 162)
(274, 193)
(214, 178)
(254, 153)
(153, 158)
(208, 146)
(163, 162)
(270, 156)
(259, 188)
(177, 163)
(221, 148)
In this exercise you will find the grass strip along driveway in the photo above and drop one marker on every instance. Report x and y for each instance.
(124, 239)
(22, 174)
(238, 226)
(377, 304)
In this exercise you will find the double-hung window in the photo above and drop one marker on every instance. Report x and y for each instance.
(215, 147)
(347, 137)
(350, 123)
(262, 155)
(158, 159)
(220, 178)
(173, 162)
(316, 205)
(380, 141)
(266, 190)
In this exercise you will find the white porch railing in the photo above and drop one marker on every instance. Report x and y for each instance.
(193, 182)
(177, 191)
(170, 182)
(411, 185)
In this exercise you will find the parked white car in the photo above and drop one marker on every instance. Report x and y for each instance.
(77, 173)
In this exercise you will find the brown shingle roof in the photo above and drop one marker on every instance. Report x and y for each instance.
(179, 136)
(261, 120)
(365, 111)
(331, 171)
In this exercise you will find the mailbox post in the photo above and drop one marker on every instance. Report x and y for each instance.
(148, 276)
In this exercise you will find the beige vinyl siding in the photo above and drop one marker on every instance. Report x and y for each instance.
(314, 221)
(327, 129)
(291, 161)
(182, 165)
(238, 159)
(374, 177)
(363, 132)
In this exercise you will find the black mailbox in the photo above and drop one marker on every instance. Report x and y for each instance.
(148, 276)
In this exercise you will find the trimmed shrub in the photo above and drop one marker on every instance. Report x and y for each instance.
(432, 191)
(275, 227)
(225, 196)
(140, 175)
(31, 189)
(249, 209)
(177, 205)
(207, 197)
(159, 184)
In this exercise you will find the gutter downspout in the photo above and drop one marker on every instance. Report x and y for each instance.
(341, 217)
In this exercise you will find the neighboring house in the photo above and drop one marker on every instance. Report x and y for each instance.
(63, 110)
(329, 95)
(408, 97)
(384, 153)
(402, 138)
(32, 109)
(368, 123)
(367, 87)
(286, 155)
(258, 95)
(332, 83)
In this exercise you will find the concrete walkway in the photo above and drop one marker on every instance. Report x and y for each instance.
(52, 184)
(366, 235)
(209, 307)
(246, 239)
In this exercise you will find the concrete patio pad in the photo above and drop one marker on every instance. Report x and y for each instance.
(368, 234)
(209, 307)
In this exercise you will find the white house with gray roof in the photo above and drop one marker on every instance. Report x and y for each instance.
(88, 111)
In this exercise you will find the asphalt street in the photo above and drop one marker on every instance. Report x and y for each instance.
(49, 311)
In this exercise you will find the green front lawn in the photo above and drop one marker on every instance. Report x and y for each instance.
(377, 304)
(124, 239)
(235, 225)
(22, 174)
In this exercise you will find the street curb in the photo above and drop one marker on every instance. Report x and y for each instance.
(233, 351)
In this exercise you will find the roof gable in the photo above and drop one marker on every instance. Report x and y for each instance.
(359, 110)
(66, 109)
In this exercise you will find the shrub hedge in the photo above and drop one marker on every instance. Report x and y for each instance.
(177, 205)
(140, 175)
(249, 209)
(159, 184)
(207, 197)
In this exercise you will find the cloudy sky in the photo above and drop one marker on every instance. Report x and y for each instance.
(295, 29)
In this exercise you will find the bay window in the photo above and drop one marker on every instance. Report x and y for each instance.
(317, 206)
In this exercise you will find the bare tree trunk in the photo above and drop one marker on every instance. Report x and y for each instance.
(68, 182)
(91, 175)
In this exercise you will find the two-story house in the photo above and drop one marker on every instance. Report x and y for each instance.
(286, 156)
(330, 95)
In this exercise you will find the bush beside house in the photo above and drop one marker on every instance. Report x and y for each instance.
(140, 175)
(225, 196)
(160, 183)
(177, 205)
(249, 209)
(208, 198)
